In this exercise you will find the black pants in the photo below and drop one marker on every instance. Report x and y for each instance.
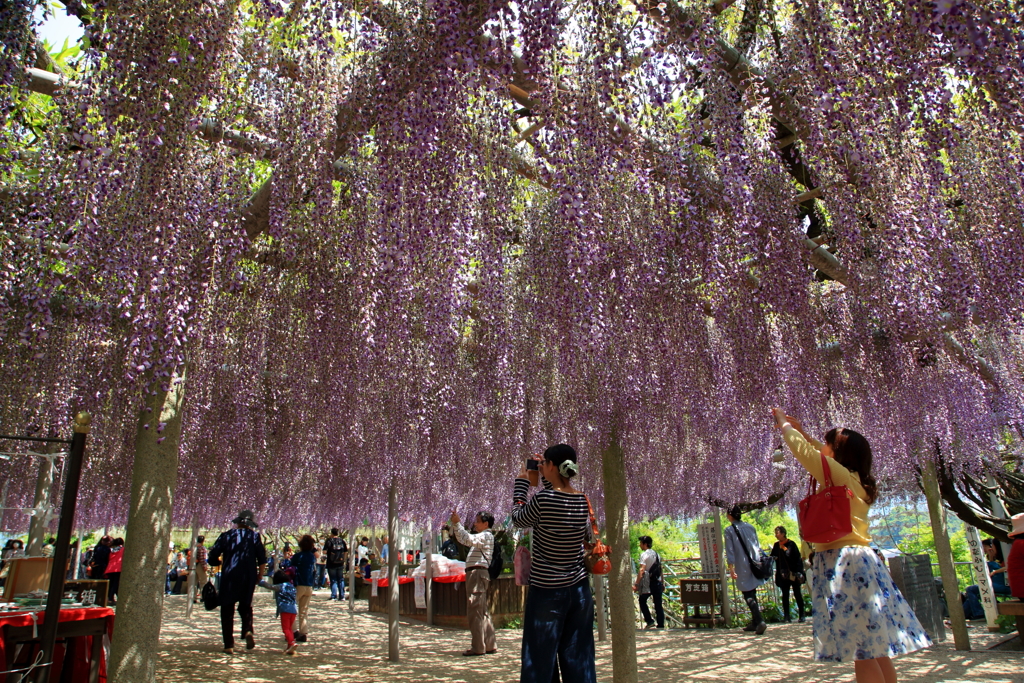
(755, 611)
(115, 583)
(659, 611)
(227, 614)
(784, 586)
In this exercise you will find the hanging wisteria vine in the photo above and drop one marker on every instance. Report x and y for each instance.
(421, 240)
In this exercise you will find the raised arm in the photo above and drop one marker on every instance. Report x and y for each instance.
(464, 537)
(808, 452)
(524, 513)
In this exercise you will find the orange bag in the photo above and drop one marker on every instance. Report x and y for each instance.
(598, 555)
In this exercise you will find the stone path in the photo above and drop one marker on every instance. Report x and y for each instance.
(353, 648)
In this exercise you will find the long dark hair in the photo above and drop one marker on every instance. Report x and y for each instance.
(853, 452)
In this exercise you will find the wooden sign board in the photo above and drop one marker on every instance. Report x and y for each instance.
(698, 592)
(912, 574)
(710, 551)
(88, 592)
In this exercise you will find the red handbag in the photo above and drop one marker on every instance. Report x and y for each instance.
(824, 516)
(598, 555)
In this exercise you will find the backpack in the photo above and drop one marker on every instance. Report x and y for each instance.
(211, 600)
(335, 551)
(450, 550)
(657, 579)
(497, 562)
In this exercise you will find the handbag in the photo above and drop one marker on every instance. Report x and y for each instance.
(522, 562)
(597, 556)
(764, 567)
(211, 600)
(824, 516)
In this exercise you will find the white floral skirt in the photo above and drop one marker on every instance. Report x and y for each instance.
(858, 611)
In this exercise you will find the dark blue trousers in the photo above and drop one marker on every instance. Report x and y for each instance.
(558, 626)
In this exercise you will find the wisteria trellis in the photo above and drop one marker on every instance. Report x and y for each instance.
(421, 292)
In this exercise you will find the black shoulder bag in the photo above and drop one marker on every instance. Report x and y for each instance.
(763, 567)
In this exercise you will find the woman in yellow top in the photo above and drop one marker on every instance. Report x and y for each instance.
(859, 614)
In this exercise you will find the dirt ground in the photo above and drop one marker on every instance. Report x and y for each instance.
(352, 647)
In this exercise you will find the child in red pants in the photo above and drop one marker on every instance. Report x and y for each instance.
(284, 594)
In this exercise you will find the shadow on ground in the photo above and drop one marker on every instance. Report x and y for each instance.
(353, 647)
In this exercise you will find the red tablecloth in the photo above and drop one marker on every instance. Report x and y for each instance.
(454, 578)
(81, 664)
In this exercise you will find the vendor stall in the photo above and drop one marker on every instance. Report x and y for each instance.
(82, 636)
(505, 600)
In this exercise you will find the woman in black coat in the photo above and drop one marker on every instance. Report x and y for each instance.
(100, 558)
(789, 572)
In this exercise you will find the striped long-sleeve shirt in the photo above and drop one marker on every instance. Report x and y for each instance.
(481, 546)
(559, 522)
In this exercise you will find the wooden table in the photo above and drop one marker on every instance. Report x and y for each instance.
(88, 622)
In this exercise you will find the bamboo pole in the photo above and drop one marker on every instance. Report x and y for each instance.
(937, 513)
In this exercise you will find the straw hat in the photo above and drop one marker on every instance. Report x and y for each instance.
(1018, 525)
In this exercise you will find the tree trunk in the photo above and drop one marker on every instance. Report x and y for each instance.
(133, 653)
(192, 578)
(429, 581)
(41, 519)
(393, 603)
(620, 580)
(723, 572)
(937, 513)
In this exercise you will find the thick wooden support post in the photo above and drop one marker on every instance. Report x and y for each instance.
(134, 652)
(937, 513)
(393, 603)
(620, 580)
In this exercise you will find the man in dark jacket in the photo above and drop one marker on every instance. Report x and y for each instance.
(336, 551)
(242, 553)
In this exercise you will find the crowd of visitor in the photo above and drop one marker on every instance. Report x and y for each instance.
(858, 613)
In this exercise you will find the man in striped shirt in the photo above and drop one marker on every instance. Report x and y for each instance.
(478, 580)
